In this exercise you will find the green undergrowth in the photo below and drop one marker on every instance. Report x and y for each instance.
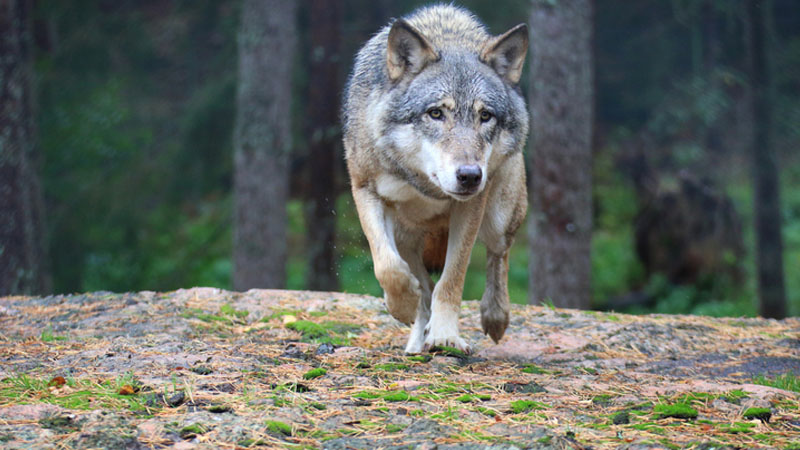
(329, 332)
(80, 394)
(788, 381)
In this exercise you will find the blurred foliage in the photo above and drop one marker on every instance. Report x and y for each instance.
(136, 102)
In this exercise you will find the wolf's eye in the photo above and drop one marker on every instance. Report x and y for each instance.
(485, 116)
(435, 113)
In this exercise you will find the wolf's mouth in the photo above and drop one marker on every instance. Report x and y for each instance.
(462, 195)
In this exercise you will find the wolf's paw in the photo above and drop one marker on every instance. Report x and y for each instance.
(402, 293)
(494, 320)
(444, 336)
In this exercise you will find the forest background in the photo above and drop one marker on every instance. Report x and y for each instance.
(135, 109)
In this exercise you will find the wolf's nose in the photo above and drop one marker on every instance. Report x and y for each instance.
(469, 176)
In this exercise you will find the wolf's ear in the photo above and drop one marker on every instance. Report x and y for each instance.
(407, 51)
(506, 53)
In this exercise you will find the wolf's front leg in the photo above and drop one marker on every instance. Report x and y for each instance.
(442, 328)
(400, 287)
(410, 250)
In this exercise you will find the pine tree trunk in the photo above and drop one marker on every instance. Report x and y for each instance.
(562, 114)
(262, 141)
(23, 267)
(769, 243)
(324, 138)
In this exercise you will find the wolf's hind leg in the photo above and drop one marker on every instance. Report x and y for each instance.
(495, 305)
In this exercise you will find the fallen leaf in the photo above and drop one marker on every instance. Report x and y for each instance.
(127, 390)
(288, 318)
(57, 381)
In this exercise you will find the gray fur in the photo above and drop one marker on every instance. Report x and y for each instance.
(404, 161)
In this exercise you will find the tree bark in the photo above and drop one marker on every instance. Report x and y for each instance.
(324, 138)
(769, 242)
(562, 114)
(23, 255)
(262, 142)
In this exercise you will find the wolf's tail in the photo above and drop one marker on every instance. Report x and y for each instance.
(435, 252)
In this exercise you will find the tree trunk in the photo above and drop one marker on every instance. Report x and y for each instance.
(769, 243)
(23, 267)
(562, 114)
(262, 141)
(324, 139)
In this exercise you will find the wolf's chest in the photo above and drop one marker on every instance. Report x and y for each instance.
(409, 204)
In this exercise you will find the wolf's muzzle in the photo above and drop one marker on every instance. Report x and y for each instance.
(469, 177)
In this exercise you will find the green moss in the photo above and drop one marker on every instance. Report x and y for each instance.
(735, 396)
(653, 428)
(341, 327)
(602, 399)
(621, 418)
(449, 351)
(392, 428)
(486, 411)
(218, 409)
(521, 406)
(669, 445)
(676, 410)
(762, 414)
(314, 373)
(417, 413)
(530, 368)
(367, 394)
(589, 370)
(311, 331)
(391, 367)
(466, 398)
(229, 310)
(190, 431)
(446, 389)
(419, 358)
(544, 439)
(736, 428)
(398, 396)
(274, 426)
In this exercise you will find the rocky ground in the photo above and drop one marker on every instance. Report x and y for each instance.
(206, 368)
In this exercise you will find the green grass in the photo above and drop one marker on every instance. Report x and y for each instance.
(229, 310)
(391, 367)
(83, 394)
(48, 336)
(788, 381)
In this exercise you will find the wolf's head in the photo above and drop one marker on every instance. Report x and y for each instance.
(454, 111)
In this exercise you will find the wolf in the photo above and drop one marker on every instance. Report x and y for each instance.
(434, 128)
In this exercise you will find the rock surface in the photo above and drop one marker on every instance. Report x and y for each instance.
(206, 368)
